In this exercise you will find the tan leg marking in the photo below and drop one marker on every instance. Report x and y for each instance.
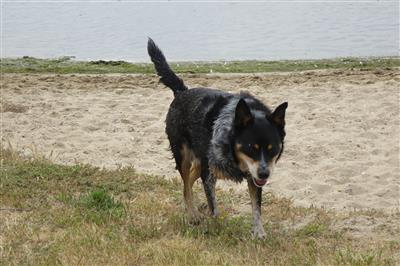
(190, 172)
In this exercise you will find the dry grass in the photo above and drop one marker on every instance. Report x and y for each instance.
(53, 214)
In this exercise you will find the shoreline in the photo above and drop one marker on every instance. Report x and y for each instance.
(67, 65)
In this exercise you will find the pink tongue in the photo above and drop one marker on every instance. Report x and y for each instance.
(260, 182)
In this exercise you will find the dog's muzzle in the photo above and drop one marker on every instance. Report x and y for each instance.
(258, 182)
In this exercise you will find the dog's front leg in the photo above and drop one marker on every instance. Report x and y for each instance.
(255, 195)
(209, 189)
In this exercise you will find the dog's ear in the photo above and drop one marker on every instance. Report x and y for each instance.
(243, 116)
(278, 116)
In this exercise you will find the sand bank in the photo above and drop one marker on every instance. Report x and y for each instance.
(342, 146)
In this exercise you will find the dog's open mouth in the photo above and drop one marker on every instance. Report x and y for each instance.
(260, 182)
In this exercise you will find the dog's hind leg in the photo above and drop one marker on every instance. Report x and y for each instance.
(190, 172)
(255, 195)
(209, 182)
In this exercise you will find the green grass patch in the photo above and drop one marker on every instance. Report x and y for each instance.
(66, 65)
(99, 206)
(100, 200)
(56, 214)
(312, 229)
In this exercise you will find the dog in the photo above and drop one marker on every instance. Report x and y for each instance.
(218, 135)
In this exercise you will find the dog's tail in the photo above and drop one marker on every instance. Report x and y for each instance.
(168, 77)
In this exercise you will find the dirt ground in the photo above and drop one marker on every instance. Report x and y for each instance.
(342, 145)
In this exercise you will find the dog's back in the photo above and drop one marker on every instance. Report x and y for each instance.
(191, 114)
(190, 120)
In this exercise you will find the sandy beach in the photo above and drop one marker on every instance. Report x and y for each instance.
(342, 145)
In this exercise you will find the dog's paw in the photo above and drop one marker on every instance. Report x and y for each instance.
(195, 218)
(204, 209)
(215, 214)
(258, 232)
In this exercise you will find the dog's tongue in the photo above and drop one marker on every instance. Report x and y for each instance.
(260, 182)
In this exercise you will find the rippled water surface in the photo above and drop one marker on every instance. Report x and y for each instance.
(201, 31)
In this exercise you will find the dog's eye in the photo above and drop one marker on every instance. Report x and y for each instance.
(254, 147)
(269, 147)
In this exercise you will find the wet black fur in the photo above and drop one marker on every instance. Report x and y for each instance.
(204, 120)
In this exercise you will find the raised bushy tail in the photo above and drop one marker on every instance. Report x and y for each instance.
(168, 77)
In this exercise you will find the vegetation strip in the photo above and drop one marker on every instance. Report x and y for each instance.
(66, 65)
(80, 214)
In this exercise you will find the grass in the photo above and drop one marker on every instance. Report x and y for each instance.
(55, 214)
(97, 206)
(65, 65)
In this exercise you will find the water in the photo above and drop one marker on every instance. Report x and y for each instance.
(200, 31)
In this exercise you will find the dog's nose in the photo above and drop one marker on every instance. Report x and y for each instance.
(263, 173)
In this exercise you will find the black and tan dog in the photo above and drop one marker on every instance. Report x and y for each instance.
(214, 134)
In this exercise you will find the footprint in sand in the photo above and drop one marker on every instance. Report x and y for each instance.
(353, 190)
(321, 188)
(91, 128)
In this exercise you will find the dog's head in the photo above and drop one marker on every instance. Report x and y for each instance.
(258, 140)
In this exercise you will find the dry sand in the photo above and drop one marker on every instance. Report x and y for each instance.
(342, 146)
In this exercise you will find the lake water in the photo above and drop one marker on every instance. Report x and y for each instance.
(200, 31)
